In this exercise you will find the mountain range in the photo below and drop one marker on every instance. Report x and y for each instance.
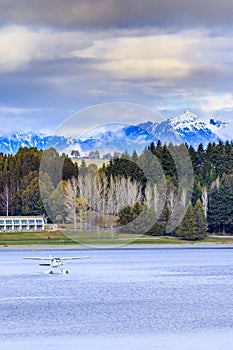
(187, 128)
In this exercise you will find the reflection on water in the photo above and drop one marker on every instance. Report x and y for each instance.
(128, 299)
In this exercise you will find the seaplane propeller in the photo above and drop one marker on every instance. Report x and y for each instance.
(56, 263)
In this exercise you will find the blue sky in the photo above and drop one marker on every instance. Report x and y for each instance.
(58, 57)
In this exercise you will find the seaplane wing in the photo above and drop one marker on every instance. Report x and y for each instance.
(51, 258)
(74, 257)
(37, 258)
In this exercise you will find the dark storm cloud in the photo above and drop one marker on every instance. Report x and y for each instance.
(118, 13)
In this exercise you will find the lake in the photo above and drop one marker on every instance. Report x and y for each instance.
(162, 299)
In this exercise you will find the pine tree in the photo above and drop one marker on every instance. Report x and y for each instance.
(126, 215)
(197, 192)
(213, 214)
(220, 211)
(134, 157)
(200, 219)
(226, 204)
(31, 199)
(188, 228)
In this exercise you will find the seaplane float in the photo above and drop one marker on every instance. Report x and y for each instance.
(55, 263)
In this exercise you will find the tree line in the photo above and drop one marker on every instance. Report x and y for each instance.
(211, 205)
(20, 192)
(131, 193)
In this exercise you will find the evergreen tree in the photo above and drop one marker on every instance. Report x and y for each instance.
(70, 169)
(200, 219)
(82, 170)
(152, 148)
(229, 157)
(125, 216)
(226, 204)
(158, 226)
(46, 189)
(197, 191)
(188, 228)
(220, 211)
(214, 214)
(163, 220)
(134, 157)
(32, 203)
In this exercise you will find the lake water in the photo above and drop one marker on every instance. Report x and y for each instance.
(160, 299)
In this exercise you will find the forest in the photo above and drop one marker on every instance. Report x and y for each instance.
(150, 193)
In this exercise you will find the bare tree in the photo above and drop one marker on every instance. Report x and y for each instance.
(70, 199)
(184, 197)
(149, 194)
(97, 201)
(171, 195)
(106, 197)
(6, 199)
(204, 199)
(82, 207)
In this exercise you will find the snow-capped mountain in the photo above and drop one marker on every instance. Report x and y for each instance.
(185, 128)
(11, 144)
(118, 139)
(193, 130)
(188, 128)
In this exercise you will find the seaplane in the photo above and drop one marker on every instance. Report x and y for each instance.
(56, 263)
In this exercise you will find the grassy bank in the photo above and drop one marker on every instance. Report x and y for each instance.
(41, 237)
(60, 238)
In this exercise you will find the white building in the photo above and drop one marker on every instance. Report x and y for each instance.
(21, 223)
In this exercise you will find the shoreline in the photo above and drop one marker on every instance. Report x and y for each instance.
(34, 247)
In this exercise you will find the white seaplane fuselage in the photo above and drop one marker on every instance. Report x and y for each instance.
(56, 263)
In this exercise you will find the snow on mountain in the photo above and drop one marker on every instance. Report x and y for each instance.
(188, 121)
(221, 129)
(187, 128)
(162, 131)
(192, 129)
(126, 138)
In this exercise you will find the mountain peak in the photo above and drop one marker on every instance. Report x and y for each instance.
(186, 117)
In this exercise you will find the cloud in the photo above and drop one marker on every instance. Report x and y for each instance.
(23, 119)
(108, 55)
(150, 56)
(76, 68)
(21, 45)
(216, 103)
(17, 111)
(97, 118)
(118, 13)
